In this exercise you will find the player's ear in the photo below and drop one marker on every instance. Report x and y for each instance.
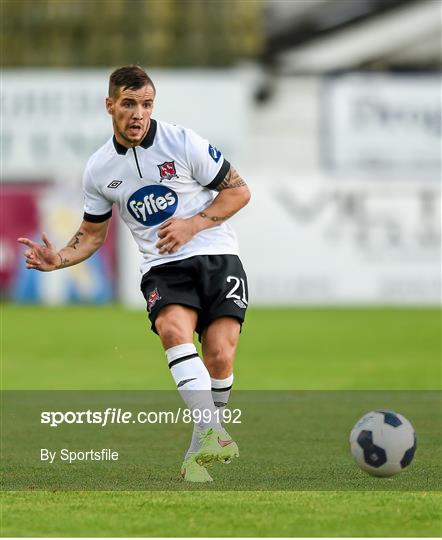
(109, 105)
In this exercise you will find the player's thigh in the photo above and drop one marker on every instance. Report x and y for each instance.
(176, 324)
(219, 342)
(172, 301)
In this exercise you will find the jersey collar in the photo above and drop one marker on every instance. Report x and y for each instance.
(145, 143)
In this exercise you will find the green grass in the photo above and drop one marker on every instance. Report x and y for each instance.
(328, 349)
(210, 514)
(318, 349)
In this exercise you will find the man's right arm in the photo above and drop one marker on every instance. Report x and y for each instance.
(44, 257)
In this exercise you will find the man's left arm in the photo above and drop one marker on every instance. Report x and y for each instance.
(233, 194)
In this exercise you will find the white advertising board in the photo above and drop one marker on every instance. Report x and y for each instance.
(341, 244)
(385, 123)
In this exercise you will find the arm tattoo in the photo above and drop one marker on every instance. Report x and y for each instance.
(231, 180)
(214, 218)
(75, 240)
(63, 262)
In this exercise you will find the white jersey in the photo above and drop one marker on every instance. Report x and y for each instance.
(170, 174)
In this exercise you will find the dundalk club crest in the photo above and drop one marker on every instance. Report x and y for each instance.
(152, 299)
(167, 170)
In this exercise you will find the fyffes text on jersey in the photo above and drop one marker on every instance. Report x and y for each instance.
(153, 204)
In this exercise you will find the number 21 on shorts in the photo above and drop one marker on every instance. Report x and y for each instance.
(238, 286)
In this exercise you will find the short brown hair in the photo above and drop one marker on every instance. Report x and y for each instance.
(132, 76)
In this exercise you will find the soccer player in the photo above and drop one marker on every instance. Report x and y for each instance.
(175, 192)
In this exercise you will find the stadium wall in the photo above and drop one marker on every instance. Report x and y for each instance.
(344, 173)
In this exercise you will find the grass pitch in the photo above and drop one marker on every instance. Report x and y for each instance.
(328, 349)
(223, 514)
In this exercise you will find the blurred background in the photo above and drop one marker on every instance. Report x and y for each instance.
(330, 109)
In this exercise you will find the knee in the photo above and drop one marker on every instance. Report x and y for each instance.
(219, 361)
(171, 332)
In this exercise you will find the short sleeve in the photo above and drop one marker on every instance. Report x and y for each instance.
(96, 207)
(207, 164)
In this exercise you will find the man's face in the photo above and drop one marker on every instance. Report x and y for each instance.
(131, 112)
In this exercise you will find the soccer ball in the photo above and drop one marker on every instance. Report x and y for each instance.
(383, 443)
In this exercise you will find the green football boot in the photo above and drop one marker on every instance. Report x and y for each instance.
(192, 472)
(216, 446)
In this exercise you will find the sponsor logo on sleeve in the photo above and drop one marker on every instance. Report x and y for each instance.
(214, 153)
(167, 170)
(151, 205)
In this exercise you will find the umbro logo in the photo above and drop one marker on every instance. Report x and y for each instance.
(114, 184)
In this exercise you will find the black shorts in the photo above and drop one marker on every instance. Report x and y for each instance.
(214, 285)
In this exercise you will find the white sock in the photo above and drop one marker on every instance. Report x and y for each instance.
(193, 383)
(221, 389)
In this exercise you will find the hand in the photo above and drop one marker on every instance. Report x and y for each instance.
(174, 233)
(40, 257)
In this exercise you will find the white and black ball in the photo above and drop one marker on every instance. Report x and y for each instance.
(383, 443)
